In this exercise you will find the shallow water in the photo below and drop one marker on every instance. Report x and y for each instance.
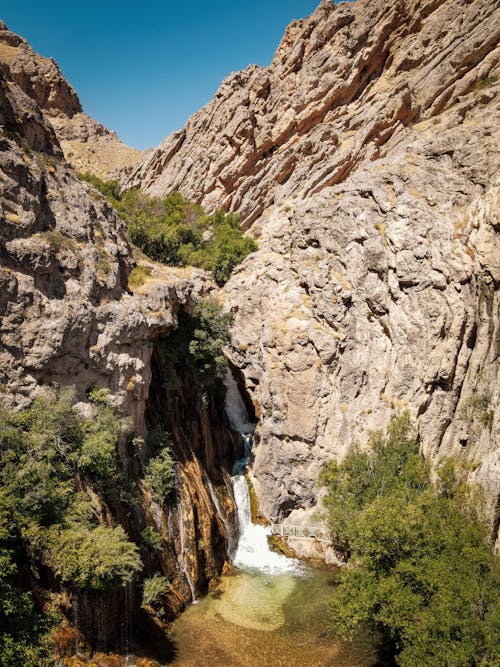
(260, 620)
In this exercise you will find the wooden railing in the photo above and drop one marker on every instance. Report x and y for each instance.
(311, 532)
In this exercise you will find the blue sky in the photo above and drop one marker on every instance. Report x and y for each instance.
(142, 68)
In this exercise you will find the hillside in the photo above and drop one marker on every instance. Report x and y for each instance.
(86, 144)
(364, 159)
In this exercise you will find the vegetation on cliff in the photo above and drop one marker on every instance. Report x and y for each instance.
(421, 570)
(54, 466)
(196, 346)
(177, 232)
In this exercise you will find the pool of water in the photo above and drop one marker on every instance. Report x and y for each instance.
(255, 619)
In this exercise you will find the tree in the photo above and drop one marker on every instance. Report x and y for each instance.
(177, 232)
(420, 567)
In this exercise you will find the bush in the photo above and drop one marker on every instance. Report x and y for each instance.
(98, 448)
(421, 569)
(154, 590)
(160, 476)
(100, 558)
(151, 539)
(51, 463)
(138, 276)
(196, 346)
(176, 232)
(25, 633)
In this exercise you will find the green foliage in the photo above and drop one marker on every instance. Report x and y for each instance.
(196, 346)
(394, 462)
(160, 476)
(487, 82)
(210, 334)
(97, 452)
(138, 276)
(50, 461)
(99, 558)
(421, 569)
(151, 539)
(177, 232)
(110, 189)
(154, 590)
(25, 633)
(49, 456)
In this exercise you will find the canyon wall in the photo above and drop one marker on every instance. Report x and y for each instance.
(70, 319)
(364, 159)
(86, 144)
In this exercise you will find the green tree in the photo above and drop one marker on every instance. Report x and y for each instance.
(421, 569)
(177, 232)
(160, 476)
(52, 462)
(99, 558)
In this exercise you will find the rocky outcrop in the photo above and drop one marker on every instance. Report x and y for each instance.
(365, 161)
(70, 319)
(343, 87)
(86, 144)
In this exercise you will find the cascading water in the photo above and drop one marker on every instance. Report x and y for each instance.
(252, 551)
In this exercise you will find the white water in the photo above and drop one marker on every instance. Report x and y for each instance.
(235, 407)
(253, 550)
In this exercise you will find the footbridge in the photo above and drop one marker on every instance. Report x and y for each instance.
(311, 532)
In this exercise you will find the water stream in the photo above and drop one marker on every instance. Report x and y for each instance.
(273, 612)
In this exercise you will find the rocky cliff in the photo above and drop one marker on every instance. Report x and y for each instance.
(365, 160)
(69, 318)
(86, 144)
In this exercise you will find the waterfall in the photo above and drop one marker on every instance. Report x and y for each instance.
(252, 551)
(253, 548)
(235, 407)
(180, 557)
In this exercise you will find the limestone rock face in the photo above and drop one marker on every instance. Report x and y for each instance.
(87, 145)
(67, 315)
(69, 319)
(344, 85)
(365, 161)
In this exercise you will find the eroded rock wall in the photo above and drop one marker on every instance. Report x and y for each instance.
(342, 83)
(365, 161)
(86, 144)
(69, 319)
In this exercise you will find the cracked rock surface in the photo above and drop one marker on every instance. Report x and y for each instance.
(364, 159)
(67, 315)
(86, 144)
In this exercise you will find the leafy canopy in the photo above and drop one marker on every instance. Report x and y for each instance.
(421, 570)
(176, 232)
(197, 346)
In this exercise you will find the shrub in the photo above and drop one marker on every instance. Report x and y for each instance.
(25, 633)
(154, 590)
(100, 558)
(160, 476)
(421, 569)
(151, 539)
(110, 189)
(97, 455)
(53, 464)
(177, 232)
(196, 347)
(138, 276)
